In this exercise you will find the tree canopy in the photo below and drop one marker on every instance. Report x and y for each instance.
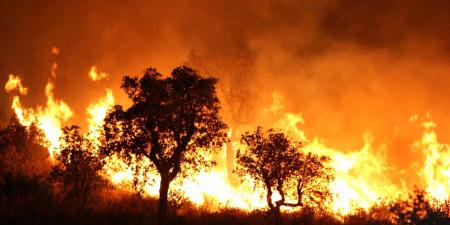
(78, 164)
(277, 163)
(172, 121)
(22, 149)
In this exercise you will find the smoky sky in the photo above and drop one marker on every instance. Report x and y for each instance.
(347, 66)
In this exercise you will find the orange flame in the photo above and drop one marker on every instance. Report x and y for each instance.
(14, 83)
(436, 170)
(97, 75)
(97, 113)
(361, 175)
(48, 118)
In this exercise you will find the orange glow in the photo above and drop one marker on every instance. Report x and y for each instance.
(55, 51)
(436, 170)
(355, 81)
(361, 175)
(97, 75)
(14, 83)
(48, 118)
(97, 112)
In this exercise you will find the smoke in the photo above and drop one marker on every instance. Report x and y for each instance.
(349, 67)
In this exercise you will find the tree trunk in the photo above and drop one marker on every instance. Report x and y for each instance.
(274, 209)
(269, 196)
(163, 195)
(277, 215)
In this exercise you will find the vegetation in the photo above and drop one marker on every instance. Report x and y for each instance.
(174, 122)
(418, 209)
(78, 165)
(22, 150)
(277, 163)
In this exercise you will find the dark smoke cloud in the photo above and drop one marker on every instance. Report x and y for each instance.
(388, 23)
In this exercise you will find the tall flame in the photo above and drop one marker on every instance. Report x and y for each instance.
(48, 118)
(436, 170)
(97, 113)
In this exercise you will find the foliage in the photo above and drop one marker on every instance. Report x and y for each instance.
(22, 150)
(78, 165)
(173, 121)
(419, 209)
(276, 162)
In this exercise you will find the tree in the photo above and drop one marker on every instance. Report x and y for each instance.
(78, 165)
(22, 150)
(23, 160)
(275, 162)
(420, 209)
(172, 121)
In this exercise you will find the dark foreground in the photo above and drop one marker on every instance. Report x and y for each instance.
(35, 202)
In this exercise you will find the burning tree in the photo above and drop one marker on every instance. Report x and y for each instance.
(22, 150)
(78, 165)
(172, 122)
(420, 209)
(275, 162)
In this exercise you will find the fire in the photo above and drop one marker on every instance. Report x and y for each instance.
(361, 179)
(436, 170)
(360, 175)
(97, 75)
(214, 189)
(97, 113)
(118, 171)
(14, 83)
(48, 118)
(115, 169)
(53, 69)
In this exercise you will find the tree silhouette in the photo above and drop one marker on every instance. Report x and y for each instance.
(23, 160)
(78, 165)
(22, 150)
(277, 164)
(172, 122)
(420, 209)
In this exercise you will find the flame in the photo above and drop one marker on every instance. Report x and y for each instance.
(48, 118)
(213, 188)
(53, 69)
(436, 170)
(361, 179)
(97, 113)
(115, 169)
(97, 75)
(14, 83)
(360, 175)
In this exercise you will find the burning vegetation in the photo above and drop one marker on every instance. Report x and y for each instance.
(170, 144)
(330, 112)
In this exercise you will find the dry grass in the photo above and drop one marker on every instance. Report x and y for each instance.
(40, 203)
